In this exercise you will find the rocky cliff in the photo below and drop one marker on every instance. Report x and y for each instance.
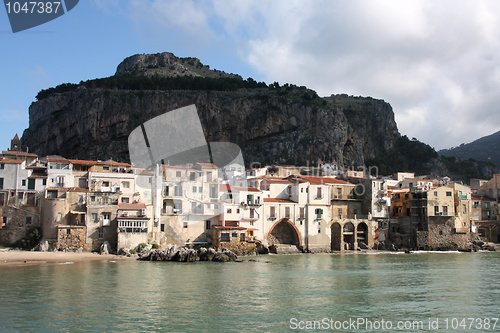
(272, 124)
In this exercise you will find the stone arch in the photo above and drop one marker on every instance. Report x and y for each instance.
(362, 233)
(349, 237)
(336, 238)
(284, 232)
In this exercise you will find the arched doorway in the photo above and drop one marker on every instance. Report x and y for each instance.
(336, 243)
(349, 236)
(284, 232)
(362, 234)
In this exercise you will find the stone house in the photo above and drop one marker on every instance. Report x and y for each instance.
(22, 182)
(485, 219)
(133, 225)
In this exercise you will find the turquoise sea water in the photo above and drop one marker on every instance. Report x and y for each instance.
(272, 294)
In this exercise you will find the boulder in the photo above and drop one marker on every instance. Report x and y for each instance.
(104, 250)
(220, 257)
(232, 256)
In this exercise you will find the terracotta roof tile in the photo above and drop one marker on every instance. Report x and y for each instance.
(278, 200)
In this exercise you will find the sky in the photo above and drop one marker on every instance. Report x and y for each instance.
(436, 62)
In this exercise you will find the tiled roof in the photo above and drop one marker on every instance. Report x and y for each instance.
(113, 163)
(18, 153)
(226, 227)
(83, 162)
(227, 188)
(482, 198)
(137, 205)
(207, 165)
(69, 189)
(317, 180)
(9, 161)
(278, 200)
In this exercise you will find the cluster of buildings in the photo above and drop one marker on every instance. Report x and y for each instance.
(83, 204)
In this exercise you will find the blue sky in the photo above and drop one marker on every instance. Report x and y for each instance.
(435, 62)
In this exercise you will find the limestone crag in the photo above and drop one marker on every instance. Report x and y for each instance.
(275, 124)
(167, 64)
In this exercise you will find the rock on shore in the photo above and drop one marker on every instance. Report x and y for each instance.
(189, 255)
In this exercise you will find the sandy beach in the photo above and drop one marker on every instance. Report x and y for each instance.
(24, 258)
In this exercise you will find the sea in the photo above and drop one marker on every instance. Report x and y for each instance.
(352, 292)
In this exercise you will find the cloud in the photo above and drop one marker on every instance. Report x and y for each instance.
(435, 62)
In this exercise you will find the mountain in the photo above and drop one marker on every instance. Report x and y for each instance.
(273, 123)
(484, 149)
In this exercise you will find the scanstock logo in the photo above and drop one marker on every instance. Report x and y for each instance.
(28, 14)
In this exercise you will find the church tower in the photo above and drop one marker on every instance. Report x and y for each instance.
(15, 144)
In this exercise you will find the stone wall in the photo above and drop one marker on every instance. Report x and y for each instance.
(70, 237)
(17, 223)
(442, 235)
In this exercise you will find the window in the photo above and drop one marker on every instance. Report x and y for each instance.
(229, 211)
(436, 210)
(60, 181)
(448, 194)
(302, 213)
(51, 194)
(476, 204)
(445, 210)
(178, 174)
(487, 205)
(2, 166)
(234, 234)
(28, 220)
(464, 209)
(194, 189)
(68, 231)
(105, 184)
(250, 199)
(339, 193)
(2, 199)
(162, 227)
(23, 182)
(272, 212)
(435, 193)
(209, 176)
(177, 191)
(224, 237)
(165, 191)
(339, 212)
(185, 225)
(3, 221)
(287, 212)
(106, 219)
(106, 168)
(100, 232)
(213, 191)
(208, 224)
(252, 213)
(1, 183)
(125, 200)
(192, 176)
(318, 212)
(319, 194)
(44, 181)
(200, 189)
(126, 184)
(92, 198)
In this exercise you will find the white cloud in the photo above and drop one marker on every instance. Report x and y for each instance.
(435, 62)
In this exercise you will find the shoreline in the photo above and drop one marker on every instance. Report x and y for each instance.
(19, 258)
(16, 258)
